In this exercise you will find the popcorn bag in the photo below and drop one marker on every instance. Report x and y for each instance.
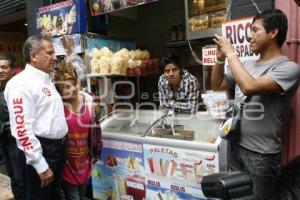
(216, 104)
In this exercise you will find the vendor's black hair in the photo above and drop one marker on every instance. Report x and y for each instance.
(10, 59)
(170, 58)
(272, 19)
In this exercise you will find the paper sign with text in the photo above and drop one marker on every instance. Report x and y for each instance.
(238, 31)
(209, 56)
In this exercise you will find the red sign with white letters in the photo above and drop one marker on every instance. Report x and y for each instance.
(209, 56)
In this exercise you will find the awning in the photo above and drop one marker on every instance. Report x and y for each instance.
(11, 6)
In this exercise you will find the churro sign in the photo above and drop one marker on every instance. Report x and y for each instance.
(209, 56)
(238, 31)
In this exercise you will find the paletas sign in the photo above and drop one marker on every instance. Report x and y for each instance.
(174, 173)
(67, 17)
(98, 7)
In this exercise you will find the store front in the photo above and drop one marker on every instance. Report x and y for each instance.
(13, 30)
(142, 156)
(146, 153)
(292, 49)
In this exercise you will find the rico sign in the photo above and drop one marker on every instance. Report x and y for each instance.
(238, 31)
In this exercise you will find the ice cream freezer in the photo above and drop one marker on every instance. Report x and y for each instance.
(156, 156)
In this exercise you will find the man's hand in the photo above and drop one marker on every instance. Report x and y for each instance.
(219, 53)
(224, 46)
(46, 177)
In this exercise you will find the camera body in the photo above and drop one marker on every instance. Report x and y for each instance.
(227, 185)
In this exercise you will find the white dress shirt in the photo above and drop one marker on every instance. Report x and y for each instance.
(35, 109)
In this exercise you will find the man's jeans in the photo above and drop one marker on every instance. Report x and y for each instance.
(262, 168)
(15, 163)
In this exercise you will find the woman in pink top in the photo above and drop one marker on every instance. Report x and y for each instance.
(83, 138)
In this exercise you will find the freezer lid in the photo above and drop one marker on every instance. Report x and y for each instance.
(130, 122)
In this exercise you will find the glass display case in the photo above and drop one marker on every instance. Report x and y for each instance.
(199, 128)
(147, 126)
(204, 17)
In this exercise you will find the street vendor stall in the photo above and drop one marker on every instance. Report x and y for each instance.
(155, 155)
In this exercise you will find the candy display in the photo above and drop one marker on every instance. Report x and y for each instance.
(104, 64)
(101, 60)
(212, 20)
(217, 18)
(123, 62)
(206, 14)
(199, 23)
(118, 65)
(100, 6)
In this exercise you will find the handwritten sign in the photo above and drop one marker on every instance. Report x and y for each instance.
(209, 56)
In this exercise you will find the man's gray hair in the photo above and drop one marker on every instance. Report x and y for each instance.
(33, 44)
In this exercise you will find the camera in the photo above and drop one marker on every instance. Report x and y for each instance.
(227, 185)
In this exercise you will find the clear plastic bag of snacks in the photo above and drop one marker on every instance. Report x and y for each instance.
(217, 18)
(199, 23)
(216, 104)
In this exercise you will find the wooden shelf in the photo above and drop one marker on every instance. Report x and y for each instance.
(206, 33)
(103, 75)
(118, 75)
(182, 43)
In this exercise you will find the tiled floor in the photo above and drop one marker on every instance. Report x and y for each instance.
(5, 189)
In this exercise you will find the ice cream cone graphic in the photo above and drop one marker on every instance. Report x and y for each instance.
(71, 19)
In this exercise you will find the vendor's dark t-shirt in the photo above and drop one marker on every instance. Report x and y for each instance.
(263, 117)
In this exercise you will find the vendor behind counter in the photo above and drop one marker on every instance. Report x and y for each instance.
(178, 89)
